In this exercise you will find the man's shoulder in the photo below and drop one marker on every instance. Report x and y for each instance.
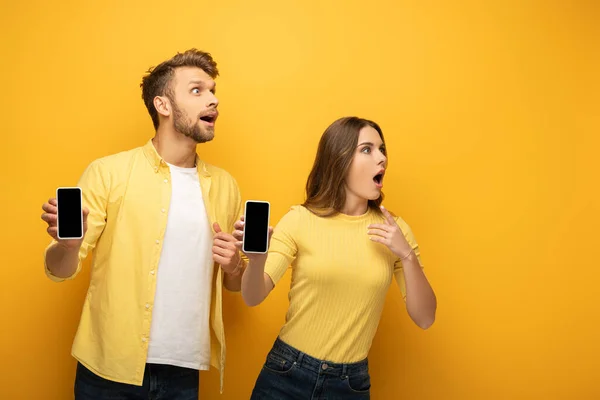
(123, 155)
(116, 160)
(219, 173)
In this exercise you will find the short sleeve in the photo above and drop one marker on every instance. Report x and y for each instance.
(237, 210)
(283, 248)
(398, 267)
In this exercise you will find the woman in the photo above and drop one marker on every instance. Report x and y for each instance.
(343, 247)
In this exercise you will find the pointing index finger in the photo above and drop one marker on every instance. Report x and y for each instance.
(390, 220)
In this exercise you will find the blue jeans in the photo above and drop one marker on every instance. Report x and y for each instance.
(161, 382)
(290, 374)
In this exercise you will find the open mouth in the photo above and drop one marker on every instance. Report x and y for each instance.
(378, 179)
(209, 118)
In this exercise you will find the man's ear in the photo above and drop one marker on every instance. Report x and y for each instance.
(162, 105)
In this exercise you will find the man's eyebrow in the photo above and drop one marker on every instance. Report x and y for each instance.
(202, 84)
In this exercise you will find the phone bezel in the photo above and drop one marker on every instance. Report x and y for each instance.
(267, 232)
(57, 211)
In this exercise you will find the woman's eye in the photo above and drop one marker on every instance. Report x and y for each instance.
(366, 150)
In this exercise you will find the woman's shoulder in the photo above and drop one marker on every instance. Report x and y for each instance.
(400, 221)
(404, 227)
(293, 220)
(298, 215)
(297, 211)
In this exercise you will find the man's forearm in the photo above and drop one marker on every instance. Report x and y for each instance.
(61, 261)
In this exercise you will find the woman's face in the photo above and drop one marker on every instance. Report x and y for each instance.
(365, 175)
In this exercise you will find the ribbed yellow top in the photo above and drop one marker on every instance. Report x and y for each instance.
(339, 281)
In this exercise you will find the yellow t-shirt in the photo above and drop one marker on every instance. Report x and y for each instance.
(339, 281)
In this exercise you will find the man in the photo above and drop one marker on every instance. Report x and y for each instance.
(152, 317)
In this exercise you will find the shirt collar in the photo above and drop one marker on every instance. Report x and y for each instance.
(156, 161)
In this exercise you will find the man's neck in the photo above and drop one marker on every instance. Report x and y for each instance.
(175, 148)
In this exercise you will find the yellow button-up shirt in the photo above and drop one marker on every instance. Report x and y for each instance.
(128, 197)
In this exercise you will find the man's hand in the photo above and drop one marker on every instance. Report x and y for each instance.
(50, 217)
(225, 251)
(63, 257)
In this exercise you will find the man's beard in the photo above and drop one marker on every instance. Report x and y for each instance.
(189, 128)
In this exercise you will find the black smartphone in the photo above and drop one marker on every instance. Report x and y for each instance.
(70, 213)
(256, 227)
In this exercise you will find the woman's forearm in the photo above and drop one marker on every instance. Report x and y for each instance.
(256, 285)
(421, 302)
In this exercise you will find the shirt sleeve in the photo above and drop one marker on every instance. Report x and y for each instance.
(283, 247)
(238, 211)
(94, 184)
(398, 268)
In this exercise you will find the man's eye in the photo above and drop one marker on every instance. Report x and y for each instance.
(195, 90)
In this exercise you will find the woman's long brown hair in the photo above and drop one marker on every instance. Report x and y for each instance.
(326, 184)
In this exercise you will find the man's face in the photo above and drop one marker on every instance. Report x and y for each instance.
(194, 104)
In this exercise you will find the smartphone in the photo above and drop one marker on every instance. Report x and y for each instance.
(256, 227)
(70, 213)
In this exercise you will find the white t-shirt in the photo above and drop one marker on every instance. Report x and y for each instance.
(180, 330)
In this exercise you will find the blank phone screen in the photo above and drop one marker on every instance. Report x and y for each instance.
(69, 213)
(256, 227)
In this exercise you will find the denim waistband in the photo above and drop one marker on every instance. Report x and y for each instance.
(303, 360)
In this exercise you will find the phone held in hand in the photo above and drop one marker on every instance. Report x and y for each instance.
(69, 221)
(256, 227)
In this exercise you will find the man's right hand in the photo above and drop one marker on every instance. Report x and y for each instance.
(50, 217)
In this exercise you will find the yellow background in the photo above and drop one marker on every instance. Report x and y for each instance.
(491, 113)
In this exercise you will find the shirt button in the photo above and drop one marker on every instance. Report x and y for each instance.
(147, 306)
(152, 272)
(155, 169)
(163, 210)
(324, 367)
(166, 180)
(144, 339)
(157, 241)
